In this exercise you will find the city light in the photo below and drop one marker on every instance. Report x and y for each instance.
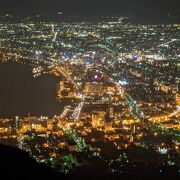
(114, 107)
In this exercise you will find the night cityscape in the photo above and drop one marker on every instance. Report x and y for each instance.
(90, 90)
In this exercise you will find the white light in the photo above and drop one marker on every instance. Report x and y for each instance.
(96, 76)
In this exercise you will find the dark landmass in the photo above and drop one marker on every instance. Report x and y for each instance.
(16, 164)
(58, 18)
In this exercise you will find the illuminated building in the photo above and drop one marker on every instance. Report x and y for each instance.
(95, 88)
(65, 90)
(108, 122)
(178, 99)
(98, 119)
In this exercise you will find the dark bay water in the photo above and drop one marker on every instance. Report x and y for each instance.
(20, 93)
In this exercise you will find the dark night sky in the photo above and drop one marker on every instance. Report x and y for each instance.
(146, 8)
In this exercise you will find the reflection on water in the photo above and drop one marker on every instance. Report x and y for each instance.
(20, 93)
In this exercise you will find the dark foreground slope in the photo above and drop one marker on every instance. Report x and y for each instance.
(16, 164)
